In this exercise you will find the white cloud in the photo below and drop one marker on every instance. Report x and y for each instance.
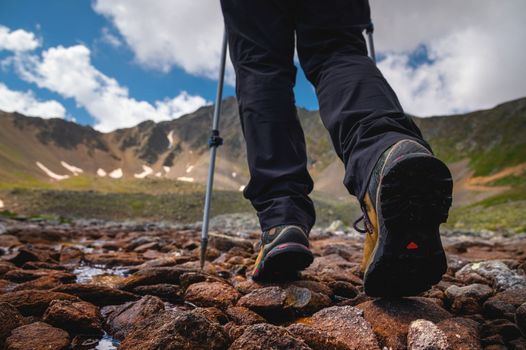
(69, 72)
(108, 37)
(18, 40)
(26, 103)
(167, 33)
(477, 45)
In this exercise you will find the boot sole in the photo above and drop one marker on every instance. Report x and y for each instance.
(415, 196)
(283, 262)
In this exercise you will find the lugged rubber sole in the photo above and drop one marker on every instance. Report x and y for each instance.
(415, 196)
(283, 262)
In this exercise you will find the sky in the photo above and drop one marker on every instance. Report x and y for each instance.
(114, 63)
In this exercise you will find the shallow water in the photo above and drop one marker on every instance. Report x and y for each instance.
(86, 273)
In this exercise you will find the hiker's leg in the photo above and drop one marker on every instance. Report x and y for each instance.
(357, 105)
(261, 40)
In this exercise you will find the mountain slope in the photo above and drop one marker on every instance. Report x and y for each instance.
(486, 151)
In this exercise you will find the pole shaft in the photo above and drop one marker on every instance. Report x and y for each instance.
(213, 150)
(370, 44)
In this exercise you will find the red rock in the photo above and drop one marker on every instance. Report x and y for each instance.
(345, 324)
(213, 314)
(20, 275)
(168, 292)
(520, 318)
(425, 335)
(216, 294)
(266, 336)
(42, 283)
(343, 289)
(37, 336)
(504, 304)
(461, 333)
(75, 317)
(6, 266)
(154, 275)
(267, 298)
(176, 330)
(316, 339)
(122, 319)
(34, 302)
(113, 259)
(70, 255)
(96, 294)
(24, 255)
(507, 330)
(243, 316)
(390, 318)
(304, 301)
(10, 319)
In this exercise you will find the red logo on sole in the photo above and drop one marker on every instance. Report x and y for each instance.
(412, 245)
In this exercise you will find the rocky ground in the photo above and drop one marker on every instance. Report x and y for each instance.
(92, 285)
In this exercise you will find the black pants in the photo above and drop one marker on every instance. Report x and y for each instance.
(357, 105)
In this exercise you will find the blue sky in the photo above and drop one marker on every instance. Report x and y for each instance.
(114, 63)
(67, 23)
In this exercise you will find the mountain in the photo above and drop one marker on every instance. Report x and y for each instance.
(486, 151)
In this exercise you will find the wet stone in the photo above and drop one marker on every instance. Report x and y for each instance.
(168, 292)
(267, 336)
(75, 317)
(425, 335)
(467, 299)
(122, 318)
(316, 339)
(37, 336)
(34, 302)
(520, 318)
(504, 304)
(243, 316)
(347, 325)
(216, 294)
(461, 333)
(96, 294)
(176, 330)
(390, 318)
(501, 276)
(10, 319)
(20, 275)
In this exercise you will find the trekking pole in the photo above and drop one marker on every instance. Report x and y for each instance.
(369, 29)
(213, 142)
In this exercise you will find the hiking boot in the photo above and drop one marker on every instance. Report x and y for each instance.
(284, 250)
(408, 197)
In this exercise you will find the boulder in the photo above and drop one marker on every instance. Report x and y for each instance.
(20, 275)
(96, 294)
(42, 283)
(461, 333)
(467, 299)
(316, 339)
(10, 319)
(345, 324)
(113, 259)
(176, 330)
(504, 304)
(34, 302)
(77, 317)
(425, 335)
(38, 336)
(243, 316)
(520, 318)
(165, 291)
(154, 275)
(122, 318)
(216, 294)
(267, 336)
(390, 318)
(500, 275)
